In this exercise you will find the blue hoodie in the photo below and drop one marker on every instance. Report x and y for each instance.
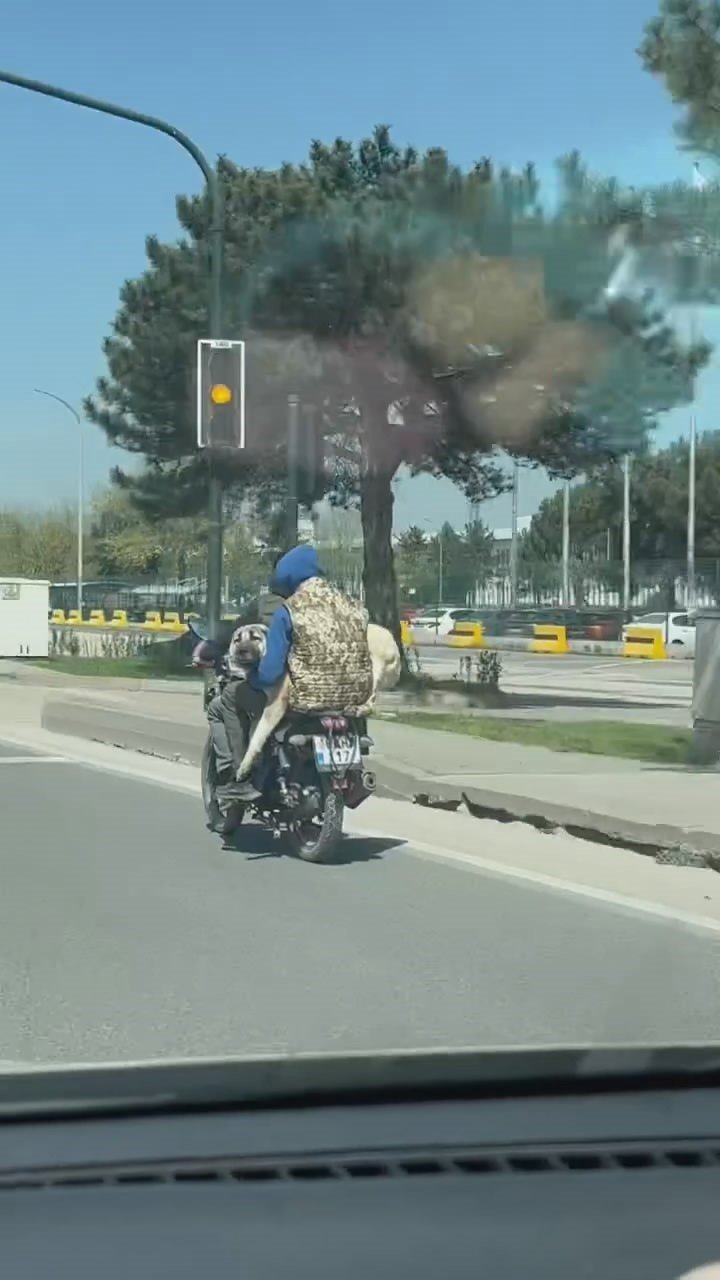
(293, 569)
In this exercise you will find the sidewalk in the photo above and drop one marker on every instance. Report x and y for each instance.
(624, 801)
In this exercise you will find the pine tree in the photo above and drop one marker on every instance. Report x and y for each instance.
(428, 315)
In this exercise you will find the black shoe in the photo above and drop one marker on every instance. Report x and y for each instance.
(230, 793)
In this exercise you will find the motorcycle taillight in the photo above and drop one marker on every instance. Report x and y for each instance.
(334, 724)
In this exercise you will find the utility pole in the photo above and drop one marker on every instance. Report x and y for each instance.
(691, 280)
(216, 236)
(566, 546)
(514, 535)
(293, 470)
(80, 491)
(692, 476)
(692, 467)
(626, 533)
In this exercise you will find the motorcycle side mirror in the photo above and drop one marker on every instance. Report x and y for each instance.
(198, 627)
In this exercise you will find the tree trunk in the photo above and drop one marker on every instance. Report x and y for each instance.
(376, 510)
(668, 588)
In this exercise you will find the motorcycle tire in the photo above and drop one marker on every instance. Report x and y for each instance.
(221, 823)
(321, 845)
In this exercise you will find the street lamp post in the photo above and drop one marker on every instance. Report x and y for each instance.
(566, 546)
(440, 563)
(217, 241)
(292, 506)
(514, 534)
(626, 547)
(80, 490)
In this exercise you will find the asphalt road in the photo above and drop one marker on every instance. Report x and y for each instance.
(127, 931)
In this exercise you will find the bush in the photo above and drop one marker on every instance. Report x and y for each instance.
(485, 666)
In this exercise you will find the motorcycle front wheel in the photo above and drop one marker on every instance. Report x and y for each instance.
(316, 840)
(219, 822)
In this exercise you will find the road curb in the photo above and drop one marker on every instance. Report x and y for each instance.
(673, 846)
(44, 678)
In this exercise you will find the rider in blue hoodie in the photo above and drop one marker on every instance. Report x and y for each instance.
(243, 701)
(294, 568)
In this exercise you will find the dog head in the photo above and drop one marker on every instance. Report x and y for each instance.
(247, 646)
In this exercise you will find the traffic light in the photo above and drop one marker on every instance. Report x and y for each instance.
(220, 394)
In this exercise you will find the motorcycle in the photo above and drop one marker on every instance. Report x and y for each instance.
(312, 768)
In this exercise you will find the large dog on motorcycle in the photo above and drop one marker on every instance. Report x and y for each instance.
(248, 647)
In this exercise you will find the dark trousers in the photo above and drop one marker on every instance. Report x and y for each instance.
(240, 707)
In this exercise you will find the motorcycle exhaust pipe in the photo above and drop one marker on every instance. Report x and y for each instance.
(359, 789)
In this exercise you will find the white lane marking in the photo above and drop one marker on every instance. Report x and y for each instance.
(501, 870)
(153, 770)
(184, 778)
(33, 760)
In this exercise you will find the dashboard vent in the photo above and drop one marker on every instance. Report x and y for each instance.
(476, 1162)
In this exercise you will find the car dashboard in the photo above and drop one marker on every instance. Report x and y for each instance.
(601, 1181)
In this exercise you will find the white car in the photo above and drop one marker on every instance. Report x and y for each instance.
(439, 621)
(677, 628)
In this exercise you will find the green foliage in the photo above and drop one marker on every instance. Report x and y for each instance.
(658, 525)
(483, 668)
(427, 314)
(247, 565)
(595, 737)
(681, 46)
(658, 509)
(448, 563)
(39, 544)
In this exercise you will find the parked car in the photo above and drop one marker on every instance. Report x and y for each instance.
(677, 628)
(440, 621)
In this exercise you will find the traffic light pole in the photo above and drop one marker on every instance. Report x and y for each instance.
(216, 236)
(215, 493)
(293, 471)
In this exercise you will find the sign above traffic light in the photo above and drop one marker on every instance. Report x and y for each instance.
(220, 394)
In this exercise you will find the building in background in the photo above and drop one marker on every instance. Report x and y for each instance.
(503, 543)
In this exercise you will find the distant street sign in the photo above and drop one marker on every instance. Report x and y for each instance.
(220, 393)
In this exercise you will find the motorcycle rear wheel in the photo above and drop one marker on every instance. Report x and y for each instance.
(318, 841)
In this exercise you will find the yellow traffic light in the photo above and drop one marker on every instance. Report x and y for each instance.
(220, 394)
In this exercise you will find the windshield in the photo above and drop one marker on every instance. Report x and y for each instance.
(342, 461)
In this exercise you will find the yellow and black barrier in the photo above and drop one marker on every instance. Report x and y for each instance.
(549, 638)
(467, 635)
(644, 642)
(407, 638)
(171, 621)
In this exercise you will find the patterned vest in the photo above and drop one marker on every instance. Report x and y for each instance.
(329, 662)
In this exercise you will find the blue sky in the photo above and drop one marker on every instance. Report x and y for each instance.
(79, 192)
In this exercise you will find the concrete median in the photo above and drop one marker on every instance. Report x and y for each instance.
(171, 739)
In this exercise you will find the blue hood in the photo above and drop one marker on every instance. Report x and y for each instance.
(293, 569)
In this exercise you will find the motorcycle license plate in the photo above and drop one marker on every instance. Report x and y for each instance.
(343, 752)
